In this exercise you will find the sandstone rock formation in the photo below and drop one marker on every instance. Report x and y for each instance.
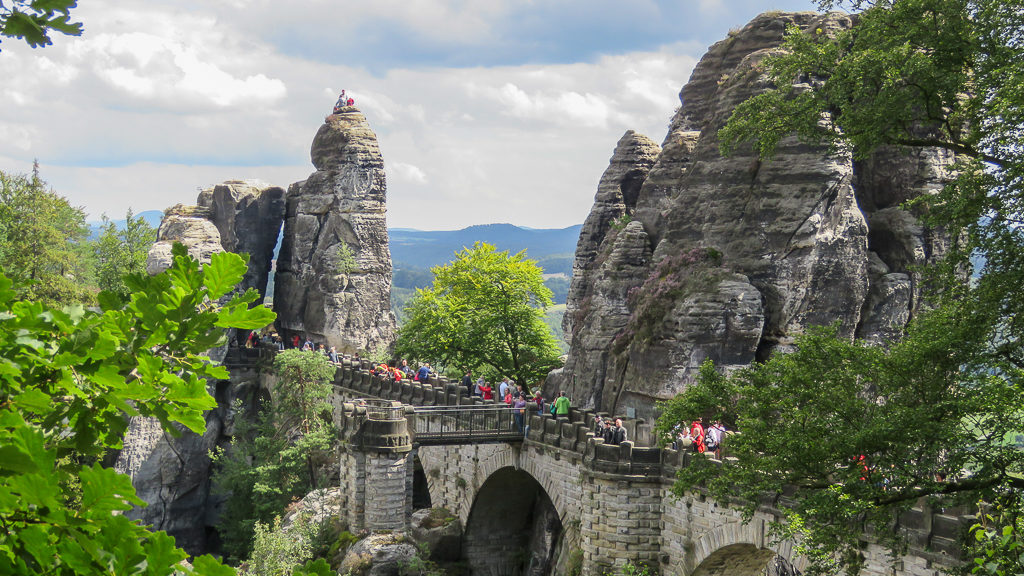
(378, 555)
(321, 293)
(173, 474)
(189, 225)
(807, 238)
(439, 531)
(248, 214)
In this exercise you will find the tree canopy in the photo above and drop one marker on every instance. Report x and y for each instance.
(861, 433)
(42, 241)
(120, 251)
(69, 379)
(485, 310)
(34, 20)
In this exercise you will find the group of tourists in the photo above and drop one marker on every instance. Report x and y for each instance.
(402, 371)
(342, 102)
(611, 431)
(700, 437)
(509, 392)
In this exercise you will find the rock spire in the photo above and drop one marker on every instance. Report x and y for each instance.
(333, 281)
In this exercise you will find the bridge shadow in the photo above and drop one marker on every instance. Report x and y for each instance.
(420, 486)
(513, 527)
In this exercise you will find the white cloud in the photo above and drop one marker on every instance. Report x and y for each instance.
(164, 72)
(159, 99)
(408, 172)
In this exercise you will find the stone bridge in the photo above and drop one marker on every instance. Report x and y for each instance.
(529, 507)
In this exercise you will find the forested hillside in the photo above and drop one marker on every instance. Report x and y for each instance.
(414, 252)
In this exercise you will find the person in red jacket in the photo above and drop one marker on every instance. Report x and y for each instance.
(697, 434)
(487, 391)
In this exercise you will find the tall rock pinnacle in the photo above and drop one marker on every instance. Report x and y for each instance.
(333, 281)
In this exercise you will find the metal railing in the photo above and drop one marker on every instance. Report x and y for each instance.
(443, 425)
(382, 410)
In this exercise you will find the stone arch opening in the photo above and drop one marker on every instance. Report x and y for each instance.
(744, 559)
(420, 486)
(512, 528)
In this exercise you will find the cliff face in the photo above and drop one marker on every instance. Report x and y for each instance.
(728, 258)
(248, 214)
(173, 474)
(320, 292)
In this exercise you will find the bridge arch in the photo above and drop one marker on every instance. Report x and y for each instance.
(513, 527)
(741, 549)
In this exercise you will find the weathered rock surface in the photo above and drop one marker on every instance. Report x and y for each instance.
(173, 474)
(189, 225)
(807, 238)
(617, 195)
(378, 555)
(248, 214)
(439, 531)
(340, 205)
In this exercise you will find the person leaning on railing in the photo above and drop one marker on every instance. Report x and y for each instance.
(519, 413)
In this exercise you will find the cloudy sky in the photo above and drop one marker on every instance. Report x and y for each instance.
(486, 110)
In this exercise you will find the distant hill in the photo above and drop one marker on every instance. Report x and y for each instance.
(424, 249)
(153, 217)
(414, 252)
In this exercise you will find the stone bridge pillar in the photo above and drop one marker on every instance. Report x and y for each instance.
(373, 464)
(621, 510)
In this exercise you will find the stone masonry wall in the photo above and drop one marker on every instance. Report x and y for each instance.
(621, 521)
(352, 466)
(456, 473)
(385, 491)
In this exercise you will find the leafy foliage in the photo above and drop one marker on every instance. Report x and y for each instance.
(281, 454)
(996, 543)
(69, 379)
(286, 552)
(344, 259)
(33, 20)
(861, 433)
(485, 310)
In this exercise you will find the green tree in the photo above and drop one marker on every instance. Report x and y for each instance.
(120, 251)
(485, 310)
(42, 239)
(282, 454)
(33, 20)
(858, 433)
(69, 379)
(861, 433)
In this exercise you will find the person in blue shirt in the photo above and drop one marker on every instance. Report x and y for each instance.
(423, 373)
